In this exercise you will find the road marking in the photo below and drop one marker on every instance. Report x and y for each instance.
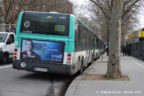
(138, 64)
(5, 66)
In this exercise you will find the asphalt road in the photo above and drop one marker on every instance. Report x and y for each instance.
(22, 83)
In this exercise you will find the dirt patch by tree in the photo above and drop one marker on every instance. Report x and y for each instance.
(103, 77)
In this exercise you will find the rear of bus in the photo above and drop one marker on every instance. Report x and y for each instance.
(44, 42)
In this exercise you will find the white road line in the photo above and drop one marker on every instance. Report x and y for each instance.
(138, 64)
(5, 66)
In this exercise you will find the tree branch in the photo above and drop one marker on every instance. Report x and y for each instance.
(101, 8)
(129, 8)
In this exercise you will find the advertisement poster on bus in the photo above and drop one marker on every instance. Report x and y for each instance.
(42, 50)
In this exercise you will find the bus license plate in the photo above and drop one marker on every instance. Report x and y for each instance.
(41, 69)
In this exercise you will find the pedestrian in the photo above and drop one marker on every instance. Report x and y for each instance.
(107, 50)
(128, 51)
(124, 50)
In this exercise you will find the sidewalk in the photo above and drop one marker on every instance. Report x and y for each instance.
(90, 87)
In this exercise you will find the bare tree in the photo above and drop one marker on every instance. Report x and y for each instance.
(115, 11)
(7, 10)
(90, 23)
(11, 8)
(62, 6)
(98, 17)
(102, 9)
(30, 5)
(114, 70)
(84, 16)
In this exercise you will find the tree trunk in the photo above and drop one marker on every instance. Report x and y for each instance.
(108, 32)
(114, 68)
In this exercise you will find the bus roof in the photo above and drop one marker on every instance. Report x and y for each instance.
(45, 12)
(87, 27)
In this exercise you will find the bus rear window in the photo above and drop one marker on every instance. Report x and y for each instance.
(45, 23)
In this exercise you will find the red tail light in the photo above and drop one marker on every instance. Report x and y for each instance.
(62, 69)
(15, 50)
(15, 54)
(15, 57)
(68, 55)
(69, 58)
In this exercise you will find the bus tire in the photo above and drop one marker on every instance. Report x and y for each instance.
(92, 59)
(81, 67)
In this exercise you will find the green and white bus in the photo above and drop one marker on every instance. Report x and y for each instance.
(53, 42)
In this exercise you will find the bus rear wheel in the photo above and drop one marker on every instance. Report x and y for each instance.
(92, 59)
(81, 68)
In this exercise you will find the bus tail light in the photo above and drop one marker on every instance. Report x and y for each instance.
(16, 50)
(15, 53)
(68, 58)
(62, 70)
(69, 54)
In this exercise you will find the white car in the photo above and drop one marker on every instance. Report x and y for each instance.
(6, 46)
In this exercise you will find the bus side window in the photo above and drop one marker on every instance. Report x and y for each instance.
(76, 26)
(80, 38)
(76, 36)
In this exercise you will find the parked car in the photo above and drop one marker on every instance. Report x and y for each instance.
(6, 46)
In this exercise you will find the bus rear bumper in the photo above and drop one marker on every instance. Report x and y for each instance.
(44, 67)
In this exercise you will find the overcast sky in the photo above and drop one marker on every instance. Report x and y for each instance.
(80, 2)
(80, 7)
(141, 18)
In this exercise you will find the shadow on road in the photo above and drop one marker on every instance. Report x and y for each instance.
(44, 76)
(58, 83)
(9, 63)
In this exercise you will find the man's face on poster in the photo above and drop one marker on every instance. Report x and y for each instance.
(28, 45)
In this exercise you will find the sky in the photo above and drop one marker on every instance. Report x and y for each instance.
(141, 18)
(80, 5)
(80, 2)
